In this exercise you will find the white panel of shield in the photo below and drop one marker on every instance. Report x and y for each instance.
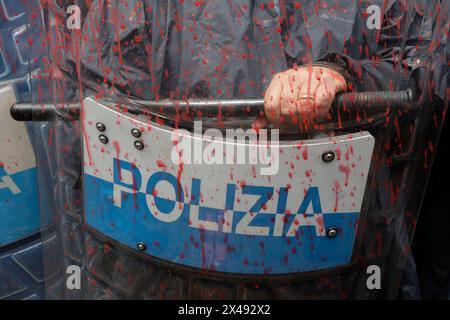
(219, 202)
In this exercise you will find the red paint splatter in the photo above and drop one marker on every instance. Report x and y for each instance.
(346, 171)
(116, 146)
(161, 164)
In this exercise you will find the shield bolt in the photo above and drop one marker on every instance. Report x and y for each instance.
(141, 246)
(103, 139)
(138, 145)
(136, 133)
(332, 232)
(100, 126)
(328, 156)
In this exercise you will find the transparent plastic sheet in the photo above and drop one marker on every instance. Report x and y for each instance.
(21, 274)
(17, 164)
(58, 159)
(130, 51)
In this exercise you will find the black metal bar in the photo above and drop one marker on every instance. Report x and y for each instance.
(351, 100)
(239, 107)
(42, 112)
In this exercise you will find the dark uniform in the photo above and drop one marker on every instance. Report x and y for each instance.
(233, 48)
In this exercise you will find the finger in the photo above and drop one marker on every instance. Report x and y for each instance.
(310, 79)
(331, 83)
(338, 80)
(305, 105)
(325, 95)
(289, 96)
(272, 99)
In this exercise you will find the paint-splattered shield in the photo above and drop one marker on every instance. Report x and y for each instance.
(161, 188)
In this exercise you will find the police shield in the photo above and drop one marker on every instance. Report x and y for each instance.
(159, 184)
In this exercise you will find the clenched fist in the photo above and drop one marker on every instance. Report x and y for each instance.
(300, 96)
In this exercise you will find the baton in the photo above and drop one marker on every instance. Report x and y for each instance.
(370, 100)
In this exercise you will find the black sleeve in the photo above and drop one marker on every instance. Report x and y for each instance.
(412, 50)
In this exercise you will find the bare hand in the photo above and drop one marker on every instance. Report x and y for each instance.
(300, 96)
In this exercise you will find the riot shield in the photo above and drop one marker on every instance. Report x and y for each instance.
(159, 186)
(21, 273)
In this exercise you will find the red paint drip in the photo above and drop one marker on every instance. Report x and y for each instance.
(116, 146)
(336, 189)
(305, 153)
(135, 191)
(345, 170)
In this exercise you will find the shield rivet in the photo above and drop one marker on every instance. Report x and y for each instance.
(332, 232)
(141, 246)
(136, 133)
(103, 139)
(328, 156)
(139, 145)
(100, 126)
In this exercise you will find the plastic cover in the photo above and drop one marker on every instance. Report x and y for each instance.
(139, 219)
(19, 212)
